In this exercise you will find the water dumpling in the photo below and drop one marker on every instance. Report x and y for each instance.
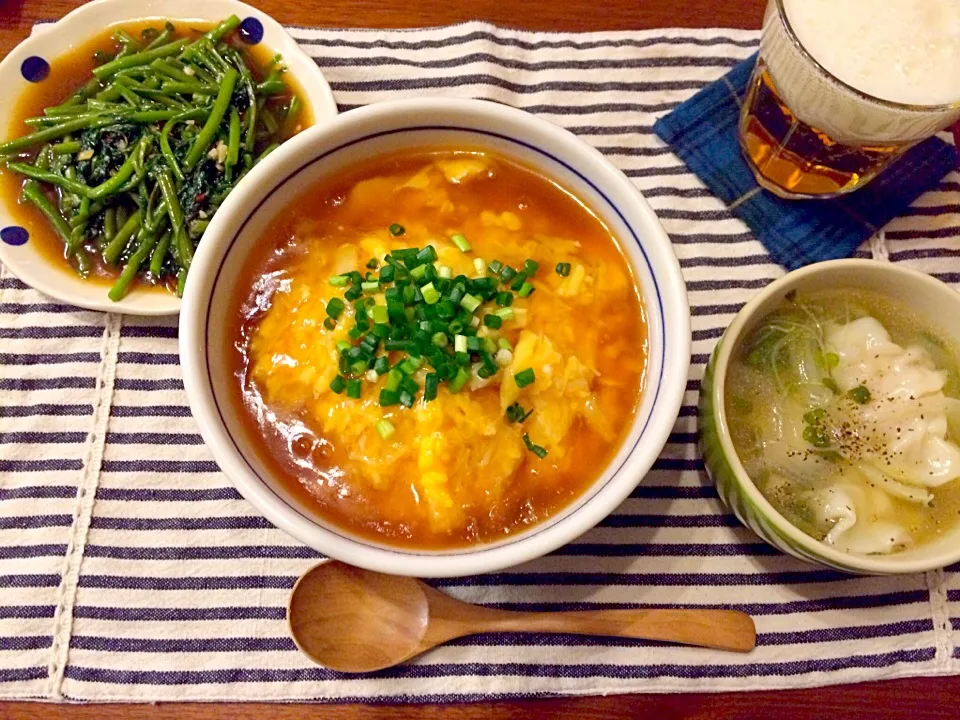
(867, 356)
(854, 514)
(902, 429)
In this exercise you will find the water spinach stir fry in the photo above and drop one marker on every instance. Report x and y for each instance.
(131, 168)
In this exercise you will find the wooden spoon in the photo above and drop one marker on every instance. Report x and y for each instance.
(355, 620)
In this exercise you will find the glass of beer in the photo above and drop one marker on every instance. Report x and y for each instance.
(843, 87)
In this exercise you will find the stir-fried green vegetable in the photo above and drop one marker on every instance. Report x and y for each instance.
(135, 163)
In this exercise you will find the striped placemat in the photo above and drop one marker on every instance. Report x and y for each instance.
(131, 569)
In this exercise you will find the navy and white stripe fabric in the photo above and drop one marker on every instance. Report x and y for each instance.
(132, 571)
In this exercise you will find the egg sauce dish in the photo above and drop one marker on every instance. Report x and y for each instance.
(437, 348)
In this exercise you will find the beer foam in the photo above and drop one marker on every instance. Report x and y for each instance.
(905, 51)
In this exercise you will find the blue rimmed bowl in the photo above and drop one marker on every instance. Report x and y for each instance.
(32, 61)
(413, 124)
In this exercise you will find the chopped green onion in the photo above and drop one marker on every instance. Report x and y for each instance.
(517, 413)
(394, 378)
(456, 385)
(380, 316)
(335, 307)
(384, 428)
(524, 377)
(426, 255)
(430, 294)
(817, 436)
(329, 323)
(563, 269)
(410, 365)
(390, 345)
(397, 230)
(860, 395)
(431, 385)
(419, 272)
(389, 397)
(538, 450)
(338, 385)
(461, 242)
(518, 281)
(410, 385)
(353, 388)
(483, 285)
(470, 303)
(427, 309)
(493, 321)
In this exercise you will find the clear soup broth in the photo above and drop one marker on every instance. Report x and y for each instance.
(843, 408)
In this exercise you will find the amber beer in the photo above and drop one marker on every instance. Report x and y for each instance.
(843, 87)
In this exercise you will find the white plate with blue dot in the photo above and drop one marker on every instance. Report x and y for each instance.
(32, 62)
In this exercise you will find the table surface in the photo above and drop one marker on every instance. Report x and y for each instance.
(919, 698)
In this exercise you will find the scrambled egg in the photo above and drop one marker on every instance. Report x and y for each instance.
(458, 453)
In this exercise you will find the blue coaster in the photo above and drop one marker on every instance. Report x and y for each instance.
(703, 132)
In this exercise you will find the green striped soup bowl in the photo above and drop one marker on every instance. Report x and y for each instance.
(926, 296)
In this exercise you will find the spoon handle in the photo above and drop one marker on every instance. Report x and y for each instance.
(721, 629)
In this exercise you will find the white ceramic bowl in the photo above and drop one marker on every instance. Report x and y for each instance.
(936, 303)
(88, 21)
(389, 127)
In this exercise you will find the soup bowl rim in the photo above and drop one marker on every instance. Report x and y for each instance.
(88, 21)
(529, 131)
(746, 319)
